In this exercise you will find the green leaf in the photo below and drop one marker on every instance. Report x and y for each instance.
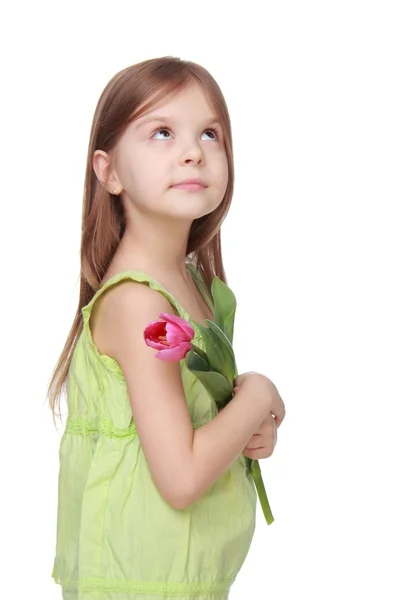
(228, 325)
(217, 386)
(230, 362)
(200, 352)
(194, 362)
(218, 355)
(224, 306)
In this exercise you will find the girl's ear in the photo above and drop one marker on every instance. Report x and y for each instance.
(104, 173)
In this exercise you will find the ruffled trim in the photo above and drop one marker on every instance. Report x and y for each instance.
(79, 426)
(106, 427)
(149, 587)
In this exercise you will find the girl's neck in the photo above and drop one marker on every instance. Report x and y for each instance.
(162, 251)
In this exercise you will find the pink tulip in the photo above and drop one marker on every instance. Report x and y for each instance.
(172, 336)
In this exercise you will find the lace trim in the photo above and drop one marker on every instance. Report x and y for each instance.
(104, 426)
(77, 426)
(150, 587)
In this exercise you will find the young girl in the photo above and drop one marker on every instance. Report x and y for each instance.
(154, 497)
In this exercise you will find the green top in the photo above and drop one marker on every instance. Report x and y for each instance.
(117, 538)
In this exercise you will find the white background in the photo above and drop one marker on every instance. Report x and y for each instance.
(310, 246)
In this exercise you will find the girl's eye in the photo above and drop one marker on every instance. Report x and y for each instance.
(215, 133)
(159, 130)
(211, 129)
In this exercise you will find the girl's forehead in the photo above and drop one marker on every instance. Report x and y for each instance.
(164, 109)
(162, 99)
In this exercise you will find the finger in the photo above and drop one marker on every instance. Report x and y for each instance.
(257, 453)
(255, 442)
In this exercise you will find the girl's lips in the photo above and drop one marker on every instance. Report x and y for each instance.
(189, 186)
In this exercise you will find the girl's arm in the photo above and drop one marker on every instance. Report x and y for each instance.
(184, 463)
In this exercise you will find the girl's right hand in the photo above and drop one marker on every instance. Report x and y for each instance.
(257, 384)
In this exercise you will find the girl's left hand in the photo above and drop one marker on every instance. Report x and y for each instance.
(263, 442)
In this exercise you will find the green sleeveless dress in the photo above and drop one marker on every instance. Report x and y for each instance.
(117, 538)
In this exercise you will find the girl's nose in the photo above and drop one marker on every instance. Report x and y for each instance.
(192, 152)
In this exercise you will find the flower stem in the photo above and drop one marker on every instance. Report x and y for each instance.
(258, 480)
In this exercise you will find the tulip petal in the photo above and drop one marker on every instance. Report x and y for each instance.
(155, 335)
(179, 321)
(154, 330)
(157, 345)
(175, 334)
(174, 354)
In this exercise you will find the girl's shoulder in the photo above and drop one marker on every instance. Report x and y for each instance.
(96, 310)
(137, 276)
(117, 274)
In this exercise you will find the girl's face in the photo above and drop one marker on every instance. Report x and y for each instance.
(179, 139)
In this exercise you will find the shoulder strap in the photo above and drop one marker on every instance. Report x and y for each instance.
(137, 276)
(201, 285)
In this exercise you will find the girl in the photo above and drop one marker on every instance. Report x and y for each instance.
(154, 497)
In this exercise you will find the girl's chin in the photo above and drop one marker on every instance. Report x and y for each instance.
(192, 212)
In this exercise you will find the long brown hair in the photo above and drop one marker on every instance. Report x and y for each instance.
(103, 219)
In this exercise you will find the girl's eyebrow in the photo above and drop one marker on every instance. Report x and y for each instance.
(210, 121)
